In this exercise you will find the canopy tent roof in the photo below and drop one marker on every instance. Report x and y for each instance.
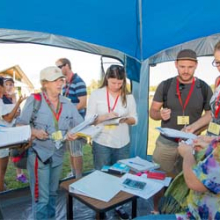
(138, 28)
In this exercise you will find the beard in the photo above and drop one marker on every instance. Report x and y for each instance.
(185, 78)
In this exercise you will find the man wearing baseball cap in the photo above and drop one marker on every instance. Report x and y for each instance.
(178, 102)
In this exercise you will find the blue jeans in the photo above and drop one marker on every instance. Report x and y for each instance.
(103, 155)
(48, 183)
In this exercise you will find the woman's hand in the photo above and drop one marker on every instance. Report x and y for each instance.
(71, 137)
(202, 142)
(21, 99)
(185, 149)
(39, 134)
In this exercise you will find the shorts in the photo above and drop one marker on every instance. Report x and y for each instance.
(167, 155)
(4, 152)
(75, 147)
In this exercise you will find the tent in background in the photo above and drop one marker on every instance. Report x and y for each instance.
(138, 32)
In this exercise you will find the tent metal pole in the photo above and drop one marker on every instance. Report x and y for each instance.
(140, 29)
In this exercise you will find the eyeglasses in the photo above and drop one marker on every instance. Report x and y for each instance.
(215, 63)
(61, 66)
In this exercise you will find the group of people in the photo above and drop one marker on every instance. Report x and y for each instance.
(178, 102)
(63, 106)
(187, 103)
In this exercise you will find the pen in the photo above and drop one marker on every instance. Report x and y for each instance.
(136, 163)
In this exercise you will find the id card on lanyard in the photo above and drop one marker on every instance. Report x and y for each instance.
(57, 135)
(214, 128)
(184, 119)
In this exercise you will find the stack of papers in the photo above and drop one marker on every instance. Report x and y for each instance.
(86, 128)
(138, 164)
(97, 185)
(10, 136)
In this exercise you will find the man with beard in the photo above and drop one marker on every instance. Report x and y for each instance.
(179, 102)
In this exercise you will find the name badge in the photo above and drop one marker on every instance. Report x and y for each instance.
(214, 128)
(110, 127)
(182, 120)
(57, 136)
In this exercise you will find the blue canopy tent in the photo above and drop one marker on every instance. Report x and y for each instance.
(138, 32)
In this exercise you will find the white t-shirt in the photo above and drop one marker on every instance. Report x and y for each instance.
(117, 136)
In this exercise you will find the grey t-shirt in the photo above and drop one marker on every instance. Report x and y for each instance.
(194, 107)
(44, 119)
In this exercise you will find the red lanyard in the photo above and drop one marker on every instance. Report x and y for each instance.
(116, 100)
(188, 96)
(68, 87)
(58, 111)
(217, 106)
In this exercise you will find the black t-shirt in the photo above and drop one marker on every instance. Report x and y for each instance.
(194, 107)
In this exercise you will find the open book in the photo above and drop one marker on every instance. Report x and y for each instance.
(86, 128)
(14, 135)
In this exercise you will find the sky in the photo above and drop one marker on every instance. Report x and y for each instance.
(33, 58)
(204, 71)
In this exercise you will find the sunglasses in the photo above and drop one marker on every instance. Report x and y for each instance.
(61, 66)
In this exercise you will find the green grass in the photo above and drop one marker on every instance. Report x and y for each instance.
(10, 178)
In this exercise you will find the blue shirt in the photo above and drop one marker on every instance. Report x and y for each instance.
(74, 90)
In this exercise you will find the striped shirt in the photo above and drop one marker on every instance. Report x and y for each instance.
(75, 89)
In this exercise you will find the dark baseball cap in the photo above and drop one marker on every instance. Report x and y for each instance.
(187, 54)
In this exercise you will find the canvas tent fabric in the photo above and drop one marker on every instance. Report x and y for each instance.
(138, 32)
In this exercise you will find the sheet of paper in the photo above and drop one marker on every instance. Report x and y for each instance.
(138, 164)
(98, 185)
(173, 133)
(149, 190)
(14, 135)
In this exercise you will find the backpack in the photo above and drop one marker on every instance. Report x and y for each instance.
(19, 154)
(203, 85)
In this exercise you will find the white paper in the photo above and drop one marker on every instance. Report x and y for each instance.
(138, 164)
(14, 135)
(149, 190)
(165, 182)
(89, 121)
(173, 133)
(90, 131)
(98, 185)
(86, 128)
(7, 108)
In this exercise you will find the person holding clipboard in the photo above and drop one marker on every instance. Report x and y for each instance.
(112, 100)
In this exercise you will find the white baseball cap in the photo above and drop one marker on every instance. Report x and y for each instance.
(51, 73)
